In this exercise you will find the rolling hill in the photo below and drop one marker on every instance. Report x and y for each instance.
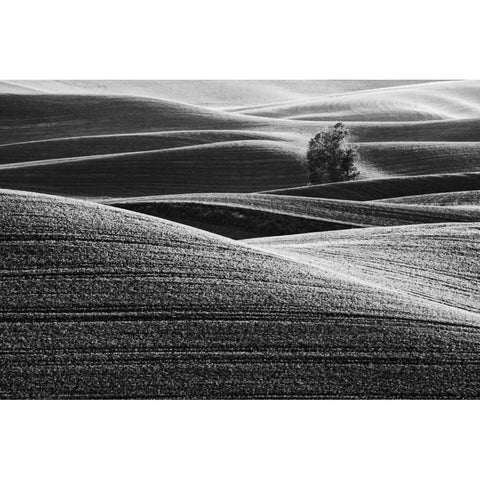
(437, 262)
(427, 101)
(389, 187)
(242, 165)
(236, 160)
(469, 198)
(73, 147)
(74, 143)
(237, 215)
(419, 158)
(27, 117)
(123, 305)
(465, 130)
(219, 93)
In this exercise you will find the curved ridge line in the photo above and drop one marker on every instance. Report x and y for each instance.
(354, 279)
(86, 158)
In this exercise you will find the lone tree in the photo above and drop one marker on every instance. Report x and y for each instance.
(330, 158)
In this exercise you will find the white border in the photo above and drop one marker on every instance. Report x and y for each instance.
(239, 440)
(257, 39)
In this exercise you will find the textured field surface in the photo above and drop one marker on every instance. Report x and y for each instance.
(470, 198)
(155, 163)
(61, 131)
(40, 117)
(437, 262)
(466, 130)
(260, 214)
(244, 165)
(437, 100)
(215, 92)
(68, 147)
(27, 117)
(385, 188)
(420, 158)
(125, 305)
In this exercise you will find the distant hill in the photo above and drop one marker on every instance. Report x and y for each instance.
(217, 93)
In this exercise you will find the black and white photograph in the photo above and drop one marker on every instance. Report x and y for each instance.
(239, 241)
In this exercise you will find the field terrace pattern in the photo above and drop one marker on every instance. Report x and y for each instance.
(160, 239)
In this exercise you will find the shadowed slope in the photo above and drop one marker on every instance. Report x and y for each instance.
(377, 160)
(40, 117)
(436, 262)
(428, 131)
(73, 131)
(27, 117)
(420, 158)
(122, 143)
(246, 165)
(387, 187)
(125, 305)
(249, 215)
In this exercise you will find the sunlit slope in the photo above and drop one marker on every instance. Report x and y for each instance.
(436, 262)
(470, 198)
(98, 302)
(251, 215)
(428, 101)
(243, 165)
(387, 187)
(224, 93)
(19, 87)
